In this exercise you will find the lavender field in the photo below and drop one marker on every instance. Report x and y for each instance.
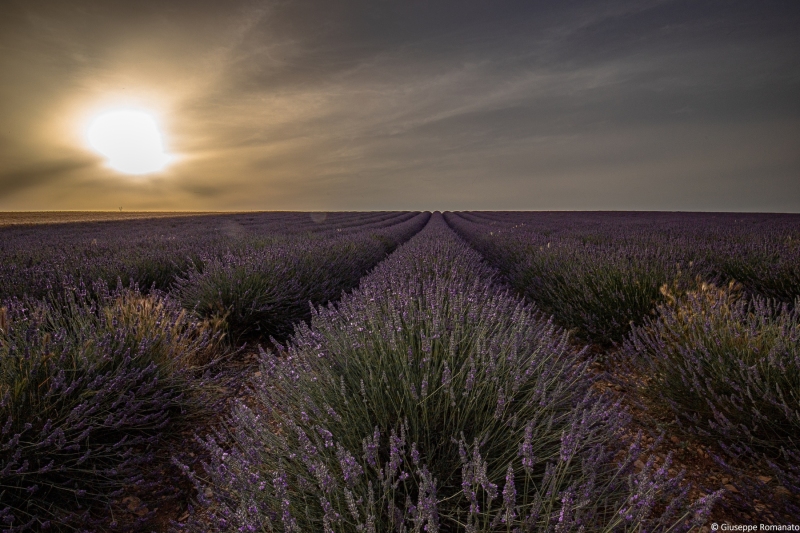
(400, 371)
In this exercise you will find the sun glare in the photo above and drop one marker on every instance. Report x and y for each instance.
(130, 140)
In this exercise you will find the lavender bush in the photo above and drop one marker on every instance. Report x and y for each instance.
(768, 268)
(729, 369)
(264, 290)
(589, 283)
(598, 292)
(88, 388)
(429, 399)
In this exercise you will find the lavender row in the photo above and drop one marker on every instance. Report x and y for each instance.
(601, 272)
(262, 290)
(36, 260)
(758, 250)
(430, 399)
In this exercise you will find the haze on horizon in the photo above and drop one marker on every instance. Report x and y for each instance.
(407, 105)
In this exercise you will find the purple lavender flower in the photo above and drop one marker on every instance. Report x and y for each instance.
(351, 470)
(509, 497)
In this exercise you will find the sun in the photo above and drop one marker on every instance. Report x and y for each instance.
(130, 140)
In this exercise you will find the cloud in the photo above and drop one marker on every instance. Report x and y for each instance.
(202, 190)
(299, 104)
(39, 174)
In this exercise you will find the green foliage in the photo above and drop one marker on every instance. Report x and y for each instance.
(264, 289)
(87, 390)
(599, 293)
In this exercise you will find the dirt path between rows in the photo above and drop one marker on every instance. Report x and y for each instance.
(696, 459)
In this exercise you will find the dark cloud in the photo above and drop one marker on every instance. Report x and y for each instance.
(203, 190)
(44, 173)
(367, 104)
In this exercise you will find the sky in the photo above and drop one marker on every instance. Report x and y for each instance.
(406, 104)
